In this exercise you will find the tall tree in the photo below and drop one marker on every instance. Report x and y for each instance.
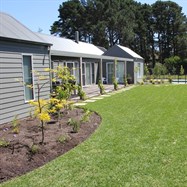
(156, 32)
(169, 27)
(71, 19)
(144, 33)
(97, 22)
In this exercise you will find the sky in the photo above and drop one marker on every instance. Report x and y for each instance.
(40, 14)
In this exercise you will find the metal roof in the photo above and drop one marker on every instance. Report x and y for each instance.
(102, 48)
(70, 46)
(100, 57)
(130, 52)
(10, 28)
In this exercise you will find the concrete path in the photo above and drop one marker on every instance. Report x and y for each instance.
(98, 97)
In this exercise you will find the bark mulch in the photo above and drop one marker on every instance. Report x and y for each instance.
(24, 151)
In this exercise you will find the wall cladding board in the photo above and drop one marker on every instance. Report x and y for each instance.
(22, 113)
(10, 107)
(11, 80)
(12, 75)
(11, 90)
(11, 68)
(15, 85)
(10, 65)
(11, 95)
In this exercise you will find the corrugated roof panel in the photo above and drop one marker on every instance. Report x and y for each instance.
(130, 52)
(13, 29)
(67, 45)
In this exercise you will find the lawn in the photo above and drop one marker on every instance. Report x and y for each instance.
(142, 141)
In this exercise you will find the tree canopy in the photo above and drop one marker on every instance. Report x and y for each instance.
(156, 32)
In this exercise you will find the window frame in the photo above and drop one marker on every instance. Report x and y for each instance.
(139, 70)
(32, 68)
(73, 69)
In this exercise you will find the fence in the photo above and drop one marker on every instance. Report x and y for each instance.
(180, 79)
(176, 79)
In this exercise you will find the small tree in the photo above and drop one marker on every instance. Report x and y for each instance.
(146, 70)
(181, 70)
(115, 83)
(44, 107)
(172, 63)
(125, 81)
(157, 70)
(81, 93)
(163, 70)
(101, 87)
(40, 105)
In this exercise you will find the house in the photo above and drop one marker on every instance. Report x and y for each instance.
(133, 68)
(21, 51)
(82, 58)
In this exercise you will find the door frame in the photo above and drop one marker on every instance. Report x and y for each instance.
(107, 70)
(90, 71)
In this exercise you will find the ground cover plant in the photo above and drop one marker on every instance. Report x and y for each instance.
(141, 142)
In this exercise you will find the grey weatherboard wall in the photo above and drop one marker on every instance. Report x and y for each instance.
(16, 41)
(12, 101)
(119, 52)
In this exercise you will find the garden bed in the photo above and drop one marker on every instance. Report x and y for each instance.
(23, 152)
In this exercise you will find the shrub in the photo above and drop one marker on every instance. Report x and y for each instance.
(66, 82)
(125, 82)
(101, 87)
(15, 125)
(170, 79)
(81, 93)
(181, 70)
(63, 138)
(159, 81)
(153, 81)
(71, 106)
(42, 107)
(34, 149)
(86, 116)
(144, 79)
(115, 83)
(75, 125)
(4, 143)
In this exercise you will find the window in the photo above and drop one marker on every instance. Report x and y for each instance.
(70, 66)
(28, 77)
(139, 70)
(77, 72)
(93, 73)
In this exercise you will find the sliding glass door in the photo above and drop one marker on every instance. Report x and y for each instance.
(110, 71)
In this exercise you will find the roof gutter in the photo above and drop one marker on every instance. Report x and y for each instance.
(83, 55)
(25, 41)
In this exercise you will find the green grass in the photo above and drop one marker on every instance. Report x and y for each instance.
(142, 141)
